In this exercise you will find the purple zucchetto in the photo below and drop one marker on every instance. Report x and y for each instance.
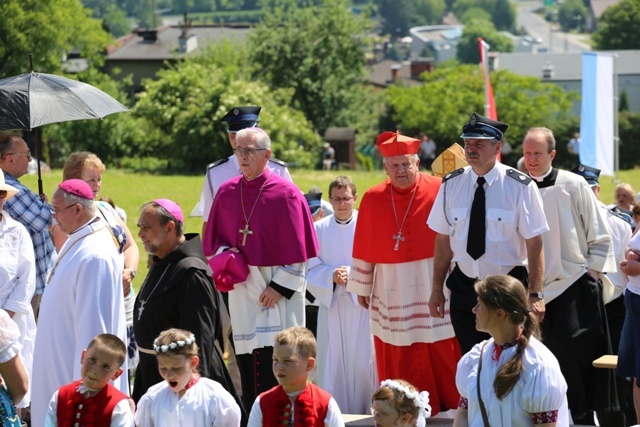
(172, 207)
(77, 187)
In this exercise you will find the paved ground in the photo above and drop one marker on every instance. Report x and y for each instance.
(552, 39)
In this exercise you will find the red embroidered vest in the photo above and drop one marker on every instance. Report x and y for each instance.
(76, 411)
(310, 407)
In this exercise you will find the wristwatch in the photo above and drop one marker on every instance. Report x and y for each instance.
(133, 272)
(536, 295)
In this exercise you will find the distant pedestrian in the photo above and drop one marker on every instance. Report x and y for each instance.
(573, 147)
(328, 156)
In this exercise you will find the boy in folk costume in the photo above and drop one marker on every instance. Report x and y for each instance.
(92, 400)
(295, 401)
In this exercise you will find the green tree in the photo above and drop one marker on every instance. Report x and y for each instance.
(618, 27)
(501, 11)
(629, 136)
(623, 105)
(117, 22)
(448, 97)
(572, 15)
(475, 13)
(114, 137)
(398, 16)
(47, 29)
(318, 52)
(428, 12)
(468, 52)
(504, 15)
(182, 109)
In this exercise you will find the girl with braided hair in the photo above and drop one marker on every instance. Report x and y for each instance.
(511, 379)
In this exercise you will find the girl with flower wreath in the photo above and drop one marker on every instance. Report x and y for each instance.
(512, 378)
(399, 404)
(184, 398)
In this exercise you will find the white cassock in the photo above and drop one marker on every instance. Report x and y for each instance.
(345, 359)
(206, 404)
(17, 286)
(83, 299)
(540, 390)
(579, 238)
(255, 326)
(620, 238)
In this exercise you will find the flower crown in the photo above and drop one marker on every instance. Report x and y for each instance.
(421, 400)
(172, 345)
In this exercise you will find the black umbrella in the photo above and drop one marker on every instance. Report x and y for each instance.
(31, 100)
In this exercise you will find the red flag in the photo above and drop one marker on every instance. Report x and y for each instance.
(489, 102)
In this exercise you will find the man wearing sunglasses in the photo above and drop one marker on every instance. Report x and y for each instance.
(28, 208)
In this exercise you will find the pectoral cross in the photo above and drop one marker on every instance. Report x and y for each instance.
(246, 232)
(398, 237)
(141, 308)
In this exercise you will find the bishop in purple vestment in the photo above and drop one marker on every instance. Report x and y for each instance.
(265, 218)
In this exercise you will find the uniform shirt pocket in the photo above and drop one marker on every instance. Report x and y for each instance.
(459, 223)
(500, 224)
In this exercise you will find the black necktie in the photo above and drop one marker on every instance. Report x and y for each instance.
(476, 237)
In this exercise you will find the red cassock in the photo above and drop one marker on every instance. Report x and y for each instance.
(427, 363)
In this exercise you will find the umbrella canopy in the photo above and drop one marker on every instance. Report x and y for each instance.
(31, 100)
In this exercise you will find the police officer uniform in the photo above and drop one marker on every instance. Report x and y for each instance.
(514, 212)
(222, 170)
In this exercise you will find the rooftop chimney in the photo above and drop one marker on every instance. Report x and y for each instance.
(419, 66)
(186, 42)
(547, 71)
(149, 35)
(395, 73)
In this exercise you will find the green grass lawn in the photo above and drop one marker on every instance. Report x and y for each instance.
(130, 191)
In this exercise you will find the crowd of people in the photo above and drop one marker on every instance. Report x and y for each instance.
(322, 309)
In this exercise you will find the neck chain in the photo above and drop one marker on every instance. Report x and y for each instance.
(144, 301)
(245, 231)
(398, 237)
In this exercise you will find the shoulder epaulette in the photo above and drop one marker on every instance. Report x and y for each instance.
(278, 162)
(518, 176)
(453, 174)
(217, 163)
(621, 215)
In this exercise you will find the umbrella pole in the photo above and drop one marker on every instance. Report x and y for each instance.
(36, 142)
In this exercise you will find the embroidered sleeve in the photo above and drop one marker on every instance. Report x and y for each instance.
(463, 403)
(544, 417)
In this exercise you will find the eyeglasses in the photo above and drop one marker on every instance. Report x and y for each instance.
(57, 211)
(247, 151)
(339, 200)
(27, 154)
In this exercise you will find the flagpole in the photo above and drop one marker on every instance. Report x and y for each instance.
(616, 130)
(484, 47)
